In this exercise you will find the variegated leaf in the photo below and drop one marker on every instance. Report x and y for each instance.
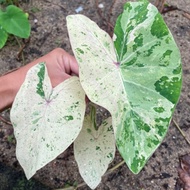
(46, 120)
(150, 68)
(138, 81)
(94, 150)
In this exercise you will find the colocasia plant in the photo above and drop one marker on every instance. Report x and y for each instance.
(13, 21)
(136, 76)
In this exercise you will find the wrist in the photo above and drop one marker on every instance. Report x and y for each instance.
(7, 91)
(9, 85)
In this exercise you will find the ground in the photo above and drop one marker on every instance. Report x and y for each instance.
(49, 31)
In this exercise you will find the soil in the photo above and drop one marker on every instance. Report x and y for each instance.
(49, 31)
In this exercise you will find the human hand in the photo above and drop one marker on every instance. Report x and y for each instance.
(60, 66)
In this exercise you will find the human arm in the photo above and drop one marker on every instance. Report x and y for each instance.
(60, 66)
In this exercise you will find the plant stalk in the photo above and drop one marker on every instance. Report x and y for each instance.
(20, 51)
(182, 133)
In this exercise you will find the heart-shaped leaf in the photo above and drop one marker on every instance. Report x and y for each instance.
(138, 81)
(14, 21)
(46, 120)
(94, 150)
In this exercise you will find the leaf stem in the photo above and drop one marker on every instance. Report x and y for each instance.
(180, 130)
(5, 120)
(20, 50)
(115, 167)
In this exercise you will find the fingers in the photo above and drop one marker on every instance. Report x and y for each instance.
(73, 65)
(67, 62)
(62, 67)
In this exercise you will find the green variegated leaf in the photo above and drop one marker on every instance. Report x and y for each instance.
(46, 120)
(94, 150)
(138, 81)
(150, 68)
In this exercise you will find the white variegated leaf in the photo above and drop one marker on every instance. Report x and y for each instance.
(46, 120)
(94, 150)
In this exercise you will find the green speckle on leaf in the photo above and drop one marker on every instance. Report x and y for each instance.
(161, 130)
(177, 70)
(68, 117)
(104, 123)
(41, 73)
(129, 63)
(80, 51)
(83, 33)
(141, 12)
(138, 162)
(138, 42)
(36, 120)
(168, 39)
(43, 139)
(159, 28)
(110, 155)
(107, 45)
(160, 120)
(127, 7)
(139, 122)
(110, 128)
(151, 142)
(161, 124)
(159, 109)
(75, 105)
(36, 113)
(169, 88)
(151, 49)
(165, 59)
(140, 64)
(98, 148)
(79, 58)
